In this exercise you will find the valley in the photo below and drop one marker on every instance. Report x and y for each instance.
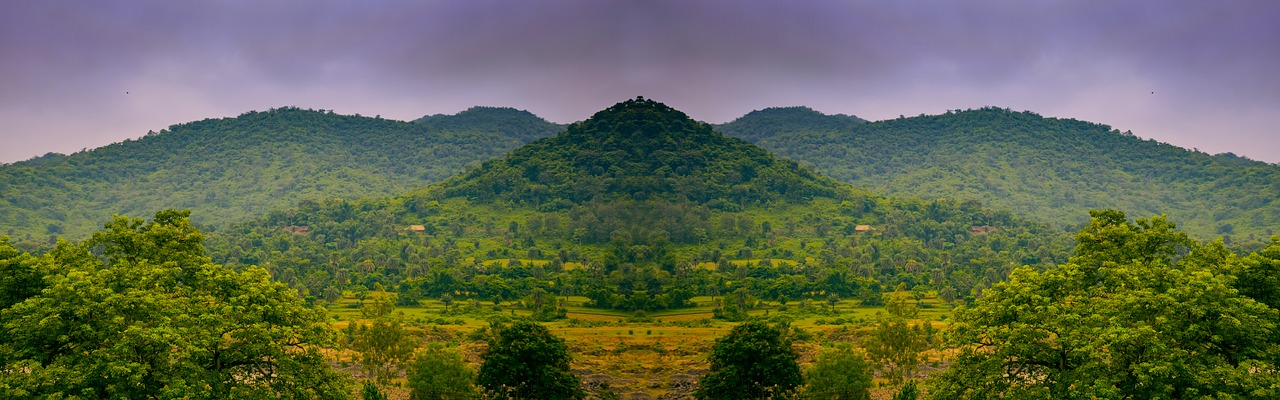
(637, 244)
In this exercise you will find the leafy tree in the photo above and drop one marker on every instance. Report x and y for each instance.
(895, 346)
(838, 374)
(384, 346)
(381, 305)
(440, 374)
(525, 361)
(447, 300)
(1139, 312)
(908, 391)
(370, 391)
(153, 317)
(754, 361)
(21, 274)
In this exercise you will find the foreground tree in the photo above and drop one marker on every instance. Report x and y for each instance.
(754, 361)
(839, 374)
(153, 318)
(1139, 312)
(525, 361)
(440, 374)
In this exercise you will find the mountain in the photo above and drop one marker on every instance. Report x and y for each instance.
(1045, 168)
(229, 169)
(639, 208)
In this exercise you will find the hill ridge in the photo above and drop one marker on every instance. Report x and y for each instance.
(1054, 169)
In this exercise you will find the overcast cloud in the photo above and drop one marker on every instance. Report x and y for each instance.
(82, 74)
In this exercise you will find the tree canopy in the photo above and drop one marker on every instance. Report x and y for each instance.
(754, 361)
(1140, 311)
(525, 361)
(152, 317)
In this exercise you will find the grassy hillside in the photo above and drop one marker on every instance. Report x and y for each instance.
(1044, 168)
(231, 169)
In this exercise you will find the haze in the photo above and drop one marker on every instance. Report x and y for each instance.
(82, 74)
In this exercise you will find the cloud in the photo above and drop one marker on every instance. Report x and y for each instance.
(68, 64)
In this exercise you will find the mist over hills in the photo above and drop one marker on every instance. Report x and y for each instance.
(229, 169)
(1050, 169)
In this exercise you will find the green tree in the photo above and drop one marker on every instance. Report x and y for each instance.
(838, 374)
(440, 374)
(908, 391)
(152, 317)
(384, 347)
(525, 361)
(895, 346)
(1139, 312)
(447, 300)
(21, 274)
(381, 305)
(754, 361)
(370, 391)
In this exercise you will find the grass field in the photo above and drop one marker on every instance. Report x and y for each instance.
(662, 354)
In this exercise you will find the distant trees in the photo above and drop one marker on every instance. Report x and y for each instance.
(234, 169)
(1050, 169)
(525, 361)
(754, 361)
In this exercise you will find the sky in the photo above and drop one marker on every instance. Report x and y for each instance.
(83, 74)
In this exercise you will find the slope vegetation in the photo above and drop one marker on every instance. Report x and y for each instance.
(639, 208)
(234, 168)
(1045, 168)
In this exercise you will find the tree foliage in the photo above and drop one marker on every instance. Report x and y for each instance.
(1140, 311)
(525, 361)
(841, 373)
(754, 361)
(152, 317)
(441, 374)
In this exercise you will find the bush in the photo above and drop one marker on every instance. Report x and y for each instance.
(440, 374)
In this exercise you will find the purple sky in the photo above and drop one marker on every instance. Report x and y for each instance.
(1214, 67)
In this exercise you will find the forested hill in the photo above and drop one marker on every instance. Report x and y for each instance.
(640, 149)
(639, 208)
(234, 168)
(1045, 168)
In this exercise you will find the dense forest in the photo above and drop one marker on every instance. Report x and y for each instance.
(640, 208)
(231, 169)
(1050, 169)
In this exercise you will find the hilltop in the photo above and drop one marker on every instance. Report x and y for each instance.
(231, 169)
(1050, 169)
(640, 149)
